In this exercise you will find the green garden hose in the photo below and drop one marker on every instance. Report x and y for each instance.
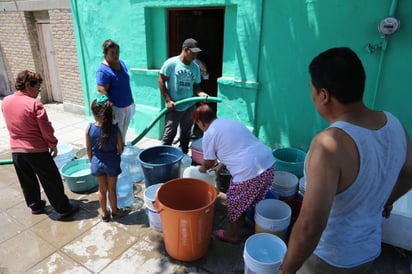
(163, 112)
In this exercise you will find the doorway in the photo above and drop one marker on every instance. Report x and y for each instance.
(206, 25)
(49, 62)
(4, 81)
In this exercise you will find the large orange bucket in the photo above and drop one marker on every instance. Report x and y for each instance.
(186, 207)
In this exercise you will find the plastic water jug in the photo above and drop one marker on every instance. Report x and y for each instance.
(129, 163)
(193, 172)
(185, 163)
(124, 191)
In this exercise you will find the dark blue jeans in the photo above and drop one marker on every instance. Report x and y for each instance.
(27, 166)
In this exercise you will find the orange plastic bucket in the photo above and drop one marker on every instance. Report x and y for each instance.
(186, 207)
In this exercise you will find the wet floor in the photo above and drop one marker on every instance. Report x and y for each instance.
(85, 244)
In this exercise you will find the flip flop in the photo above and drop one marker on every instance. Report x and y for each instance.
(220, 234)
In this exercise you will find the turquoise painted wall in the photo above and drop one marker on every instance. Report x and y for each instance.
(295, 31)
(267, 48)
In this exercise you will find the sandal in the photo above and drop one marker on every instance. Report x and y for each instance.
(120, 213)
(220, 234)
(106, 218)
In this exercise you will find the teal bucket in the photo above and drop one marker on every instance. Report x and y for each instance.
(289, 159)
(263, 253)
(77, 175)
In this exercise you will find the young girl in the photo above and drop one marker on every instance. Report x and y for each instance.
(104, 146)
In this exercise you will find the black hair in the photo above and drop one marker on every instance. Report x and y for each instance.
(108, 44)
(103, 113)
(340, 71)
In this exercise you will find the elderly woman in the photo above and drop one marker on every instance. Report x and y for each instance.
(248, 160)
(33, 146)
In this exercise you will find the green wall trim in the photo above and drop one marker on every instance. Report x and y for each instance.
(145, 72)
(238, 83)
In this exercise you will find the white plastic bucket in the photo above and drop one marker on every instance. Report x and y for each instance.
(150, 196)
(154, 219)
(193, 172)
(285, 184)
(152, 213)
(302, 186)
(272, 216)
(263, 253)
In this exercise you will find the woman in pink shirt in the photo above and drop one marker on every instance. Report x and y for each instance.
(33, 146)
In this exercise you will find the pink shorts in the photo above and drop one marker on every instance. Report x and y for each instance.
(240, 196)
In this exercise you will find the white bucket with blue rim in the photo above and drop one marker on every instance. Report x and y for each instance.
(152, 214)
(263, 253)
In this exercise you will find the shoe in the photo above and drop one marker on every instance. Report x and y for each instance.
(106, 218)
(38, 208)
(74, 209)
(121, 212)
(220, 234)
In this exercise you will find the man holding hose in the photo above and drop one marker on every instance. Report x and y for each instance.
(179, 79)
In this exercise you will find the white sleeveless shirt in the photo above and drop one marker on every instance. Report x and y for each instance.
(353, 232)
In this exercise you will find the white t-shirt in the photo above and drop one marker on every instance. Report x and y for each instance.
(233, 144)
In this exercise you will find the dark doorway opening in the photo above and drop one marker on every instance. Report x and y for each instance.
(206, 25)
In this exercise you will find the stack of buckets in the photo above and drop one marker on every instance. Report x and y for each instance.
(264, 251)
(151, 211)
(285, 185)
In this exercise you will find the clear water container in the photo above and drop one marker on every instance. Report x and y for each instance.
(129, 163)
(185, 163)
(124, 191)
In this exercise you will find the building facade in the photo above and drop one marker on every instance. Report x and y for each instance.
(38, 35)
(257, 54)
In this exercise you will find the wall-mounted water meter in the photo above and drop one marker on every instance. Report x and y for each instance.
(388, 26)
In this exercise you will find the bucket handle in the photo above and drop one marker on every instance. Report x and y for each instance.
(81, 182)
(158, 206)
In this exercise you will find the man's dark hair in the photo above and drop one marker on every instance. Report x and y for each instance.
(340, 71)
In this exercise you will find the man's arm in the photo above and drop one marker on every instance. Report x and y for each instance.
(207, 164)
(198, 90)
(322, 177)
(404, 182)
(161, 82)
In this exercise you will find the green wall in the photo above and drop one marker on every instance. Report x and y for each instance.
(268, 45)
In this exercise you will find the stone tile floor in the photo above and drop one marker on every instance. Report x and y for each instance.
(84, 244)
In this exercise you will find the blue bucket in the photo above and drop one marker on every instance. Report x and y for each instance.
(160, 164)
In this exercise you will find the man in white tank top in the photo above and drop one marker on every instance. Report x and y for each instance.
(355, 170)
